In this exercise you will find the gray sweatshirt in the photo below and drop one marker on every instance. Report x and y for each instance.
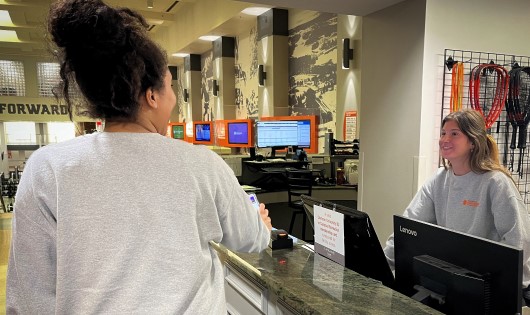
(120, 223)
(486, 205)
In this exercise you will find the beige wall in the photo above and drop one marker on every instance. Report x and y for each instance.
(392, 54)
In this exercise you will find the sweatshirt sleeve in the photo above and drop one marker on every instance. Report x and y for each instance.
(243, 229)
(31, 274)
(420, 208)
(511, 218)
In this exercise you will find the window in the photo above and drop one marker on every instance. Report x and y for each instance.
(20, 133)
(12, 80)
(48, 77)
(60, 131)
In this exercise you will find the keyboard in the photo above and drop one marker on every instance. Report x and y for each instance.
(276, 160)
(274, 169)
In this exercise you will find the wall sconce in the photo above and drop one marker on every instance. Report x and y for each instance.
(150, 4)
(215, 88)
(347, 53)
(186, 95)
(262, 75)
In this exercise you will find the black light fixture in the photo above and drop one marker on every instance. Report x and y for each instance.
(215, 88)
(186, 95)
(262, 75)
(347, 53)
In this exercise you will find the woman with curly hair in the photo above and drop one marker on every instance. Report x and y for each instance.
(120, 221)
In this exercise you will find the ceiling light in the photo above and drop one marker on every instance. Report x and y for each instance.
(5, 18)
(150, 4)
(9, 36)
(180, 55)
(209, 38)
(255, 11)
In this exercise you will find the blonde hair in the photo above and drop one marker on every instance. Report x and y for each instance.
(485, 154)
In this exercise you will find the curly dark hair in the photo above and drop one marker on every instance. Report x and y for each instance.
(108, 53)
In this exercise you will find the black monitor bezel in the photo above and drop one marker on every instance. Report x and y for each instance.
(464, 250)
(375, 264)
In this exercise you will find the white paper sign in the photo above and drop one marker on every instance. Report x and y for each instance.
(329, 233)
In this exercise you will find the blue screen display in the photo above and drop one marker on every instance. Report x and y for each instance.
(238, 133)
(202, 132)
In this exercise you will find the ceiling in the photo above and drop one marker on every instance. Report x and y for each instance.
(29, 17)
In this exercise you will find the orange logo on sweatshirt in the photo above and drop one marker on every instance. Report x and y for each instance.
(470, 203)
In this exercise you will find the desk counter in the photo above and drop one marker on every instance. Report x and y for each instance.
(305, 283)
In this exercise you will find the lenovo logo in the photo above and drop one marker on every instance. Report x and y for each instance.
(407, 231)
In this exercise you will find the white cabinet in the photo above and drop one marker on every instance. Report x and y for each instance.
(244, 296)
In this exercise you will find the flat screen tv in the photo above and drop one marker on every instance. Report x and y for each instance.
(277, 133)
(203, 132)
(362, 249)
(454, 272)
(177, 131)
(239, 133)
(306, 132)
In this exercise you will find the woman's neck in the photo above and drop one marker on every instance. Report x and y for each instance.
(460, 169)
(136, 127)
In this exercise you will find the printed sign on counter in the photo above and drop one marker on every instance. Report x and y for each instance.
(329, 234)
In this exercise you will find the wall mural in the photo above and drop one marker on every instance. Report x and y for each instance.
(246, 72)
(180, 93)
(313, 66)
(206, 85)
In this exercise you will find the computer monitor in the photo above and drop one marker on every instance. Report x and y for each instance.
(279, 133)
(454, 272)
(362, 249)
(239, 133)
(202, 132)
(307, 131)
(177, 131)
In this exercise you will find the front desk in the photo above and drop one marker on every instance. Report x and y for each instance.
(296, 281)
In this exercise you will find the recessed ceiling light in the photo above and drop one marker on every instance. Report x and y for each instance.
(181, 55)
(255, 10)
(9, 36)
(5, 18)
(209, 38)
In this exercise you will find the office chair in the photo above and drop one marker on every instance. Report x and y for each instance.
(299, 182)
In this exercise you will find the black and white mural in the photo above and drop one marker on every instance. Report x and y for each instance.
(206, 85)
(179, 91)
(246, 72)
(313, 66)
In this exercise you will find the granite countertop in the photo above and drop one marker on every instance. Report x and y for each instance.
(312, 284)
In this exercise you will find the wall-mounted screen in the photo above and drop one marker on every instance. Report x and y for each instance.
(277, 133)
(284, 131)
(238, 133)
(203, 132)
(177, 132)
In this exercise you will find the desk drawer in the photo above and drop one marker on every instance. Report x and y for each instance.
(242, 295)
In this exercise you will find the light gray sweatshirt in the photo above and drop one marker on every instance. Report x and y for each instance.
(120, 223)
(486, 205)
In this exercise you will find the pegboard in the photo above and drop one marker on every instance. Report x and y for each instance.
(515, 161)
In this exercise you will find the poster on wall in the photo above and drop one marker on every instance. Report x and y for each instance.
(350, 125)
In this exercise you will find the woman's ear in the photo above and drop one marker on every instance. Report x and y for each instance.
(151, 98)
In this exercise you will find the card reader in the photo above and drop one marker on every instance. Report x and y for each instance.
(280, 239)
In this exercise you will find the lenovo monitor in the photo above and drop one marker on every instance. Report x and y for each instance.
(454, 272)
